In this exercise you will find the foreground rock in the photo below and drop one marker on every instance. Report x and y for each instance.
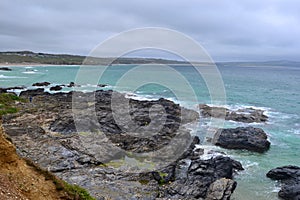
(96, 148)
(210, 179)
(246, 115)
(249, 138)
(289, 176)
(221, 189)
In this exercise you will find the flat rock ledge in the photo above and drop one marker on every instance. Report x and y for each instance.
(289, 176)
(246, 115)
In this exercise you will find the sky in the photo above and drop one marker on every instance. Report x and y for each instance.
(229, 30)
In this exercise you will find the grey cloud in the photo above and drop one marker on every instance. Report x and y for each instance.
(228, 29)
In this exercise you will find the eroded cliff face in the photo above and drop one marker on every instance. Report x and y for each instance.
(20, 180)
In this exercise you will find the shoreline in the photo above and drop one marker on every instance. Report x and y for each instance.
(144, 64)
(25, 64)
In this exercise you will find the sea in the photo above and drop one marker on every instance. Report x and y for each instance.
(272, 88)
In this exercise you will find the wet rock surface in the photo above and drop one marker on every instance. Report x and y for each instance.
(5, 90)
(41, 84)
(56, 88)
(246, 115)
(5, 69)
(103, 146)
(32, 92)
(203, 179)
(289, 176)
(249, 138)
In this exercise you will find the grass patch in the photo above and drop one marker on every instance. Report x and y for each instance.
(7, 101)
(144, 182)
(8, 98)
(8, 110)
(77, 191)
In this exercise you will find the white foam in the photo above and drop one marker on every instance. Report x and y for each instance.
(294, 131)
(248, 164)
(210, 151)
(276, 189)
(138, 97)
(240, 106)
(7, 77)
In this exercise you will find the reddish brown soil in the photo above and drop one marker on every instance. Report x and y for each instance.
(18, 180)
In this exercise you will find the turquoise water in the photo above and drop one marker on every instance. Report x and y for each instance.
(275, 89)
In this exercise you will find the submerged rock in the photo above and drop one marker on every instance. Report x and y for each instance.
(102, 85)
(5, 69)
(249, 138)
(71, 84)
(289, 176)
(55, 88)
(41, 84)
(246, 115)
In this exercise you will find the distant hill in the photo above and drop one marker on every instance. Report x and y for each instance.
(261, 63)
(28, 57)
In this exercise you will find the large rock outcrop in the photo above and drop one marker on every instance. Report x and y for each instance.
(289, 176)
(92, 151)
(209, 179)
(249, 138)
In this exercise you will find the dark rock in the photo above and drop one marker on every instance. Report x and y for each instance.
(101, 85)
(5, 69)
(56, 88)
(246, 115)
(33, 92)
(63, 124)
(290, 181)
(83, 149)
(72, 84)
(41, 84)
(4, 90)
(249, 138)
(16, 88)
(203, 179)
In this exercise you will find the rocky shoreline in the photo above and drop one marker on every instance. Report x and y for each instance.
(95, 150)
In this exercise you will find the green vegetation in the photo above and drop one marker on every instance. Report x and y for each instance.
(30, 57)
(7, 98)
(162, 180)
(64, 59)
(77, 191)
(144, 182)
(7, 102)
(74, 191)
(115, 163)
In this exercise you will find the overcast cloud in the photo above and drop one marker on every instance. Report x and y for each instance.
(228, 29)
